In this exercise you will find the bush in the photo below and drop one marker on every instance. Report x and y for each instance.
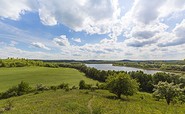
(82, 84)
(74, 87)
(101, 86)
(54, 88)
(63, 86)
(21, 89)
(88, 86)
(41, 87)
(11, 92)
(67, 89)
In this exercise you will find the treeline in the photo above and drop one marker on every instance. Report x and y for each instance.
(174, 66)
(146, 81)
(92, 73)
(22, 62)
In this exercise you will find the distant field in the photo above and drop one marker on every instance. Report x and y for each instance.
(83, 102)
(36, 75)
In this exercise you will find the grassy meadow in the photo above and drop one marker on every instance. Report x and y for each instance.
(73, 101)
(86, 102)
(36, 75)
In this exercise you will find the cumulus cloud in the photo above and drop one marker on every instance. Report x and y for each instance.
(143, 27)
(14, 8)
(144, 24)
(77, 40)
(40, 45)
(62, 41)
(140, 43)
(91, 16)
(146, 11)
(177, 37)
(143, 34)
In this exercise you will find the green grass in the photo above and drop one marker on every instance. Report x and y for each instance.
(74, 101)
(35, 75)
(134, 105)
(77, 102)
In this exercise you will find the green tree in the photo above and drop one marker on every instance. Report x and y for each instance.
(82, 84)
(161, 76)
(122, 84)
(23, 88)
(167, 91)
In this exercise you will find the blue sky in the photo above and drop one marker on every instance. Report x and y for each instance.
(92, 29)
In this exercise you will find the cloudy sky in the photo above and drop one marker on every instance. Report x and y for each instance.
(92, 29)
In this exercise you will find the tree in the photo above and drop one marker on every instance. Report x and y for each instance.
(82, 84)
(122, 83)
(161, 76)
(167, 91)
(23, 88)
(145, 80)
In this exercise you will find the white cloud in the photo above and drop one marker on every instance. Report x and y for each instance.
(77, 40)
(176, 37)
(62, 41)
(146, 11)
(143, 27)
(40, 45)
(14, 8)
(92, 16)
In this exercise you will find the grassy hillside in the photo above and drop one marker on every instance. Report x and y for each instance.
(83, 102)
(36, 75)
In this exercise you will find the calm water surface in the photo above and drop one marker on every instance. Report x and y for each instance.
(120, 68)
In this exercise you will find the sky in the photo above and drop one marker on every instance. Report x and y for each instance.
(93, 29)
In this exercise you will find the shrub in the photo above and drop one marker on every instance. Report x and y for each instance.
(23, 88)
(82, 84)
(54, 88)
(11, 92)
(41, 87)
(74, 87)
(63, 86)
(88, 86)
(67, 89)
(101, 86)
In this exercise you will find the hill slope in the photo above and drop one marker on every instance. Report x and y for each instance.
(83, 102)
(36, 75)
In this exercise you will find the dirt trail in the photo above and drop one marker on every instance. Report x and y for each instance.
(89, 106)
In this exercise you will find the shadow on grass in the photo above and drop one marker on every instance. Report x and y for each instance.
(116, 98)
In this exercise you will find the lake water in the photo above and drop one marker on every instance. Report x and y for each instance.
(119, 68)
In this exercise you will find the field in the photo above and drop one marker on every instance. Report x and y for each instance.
(86, 102)
(73, 101)
(36, 75)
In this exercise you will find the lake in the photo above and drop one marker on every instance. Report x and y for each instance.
(120, 68)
